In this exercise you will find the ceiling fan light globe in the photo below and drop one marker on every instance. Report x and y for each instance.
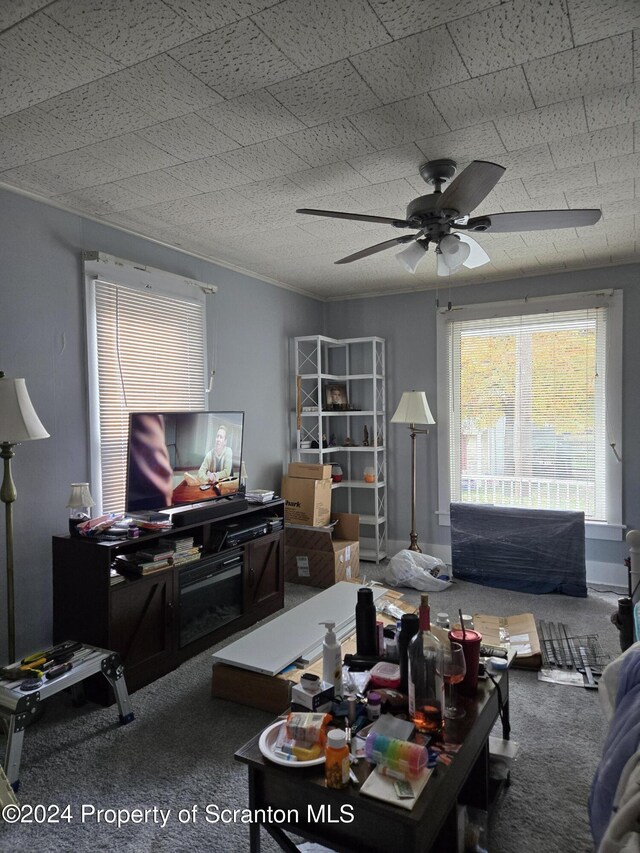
(410, 257)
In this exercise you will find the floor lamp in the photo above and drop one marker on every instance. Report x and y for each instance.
(18, 423)
(413, 409)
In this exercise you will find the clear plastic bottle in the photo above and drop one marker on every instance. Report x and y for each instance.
(425, 683)
(336, 760)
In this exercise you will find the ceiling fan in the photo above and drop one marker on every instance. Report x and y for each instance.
(440, 217)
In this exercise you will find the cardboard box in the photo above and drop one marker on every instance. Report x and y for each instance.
(310, 700)
(306, 501)
(523, 637)
(322, 556)
(309, 471)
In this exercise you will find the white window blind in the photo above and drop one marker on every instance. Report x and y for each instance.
(530, 417)
(149, 355)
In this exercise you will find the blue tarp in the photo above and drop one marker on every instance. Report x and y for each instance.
(526, 550)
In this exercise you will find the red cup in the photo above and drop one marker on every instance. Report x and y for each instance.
(470, 643)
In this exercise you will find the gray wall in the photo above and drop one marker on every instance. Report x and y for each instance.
(42, 339)
(408, 323)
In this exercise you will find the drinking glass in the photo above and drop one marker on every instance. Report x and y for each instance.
(452, 668)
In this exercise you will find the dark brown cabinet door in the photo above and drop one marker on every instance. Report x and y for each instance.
(264, 580)
(142, 627)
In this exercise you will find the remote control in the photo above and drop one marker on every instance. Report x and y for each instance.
(492, 652)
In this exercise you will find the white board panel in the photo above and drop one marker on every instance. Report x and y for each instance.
(272, 647)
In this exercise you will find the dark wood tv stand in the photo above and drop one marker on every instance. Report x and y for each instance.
(140, 617)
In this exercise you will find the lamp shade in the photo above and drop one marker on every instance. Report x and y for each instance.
(453, 251)
(18, 419)
(411, 256)
(80, 496)
(413, 409)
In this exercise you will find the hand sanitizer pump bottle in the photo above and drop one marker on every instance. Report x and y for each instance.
(332, 659)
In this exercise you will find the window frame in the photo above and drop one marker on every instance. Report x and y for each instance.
(98, 266)
(613, 528)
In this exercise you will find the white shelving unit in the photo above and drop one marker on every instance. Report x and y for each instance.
(358, 364)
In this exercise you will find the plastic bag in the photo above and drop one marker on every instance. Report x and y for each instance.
(420, 571)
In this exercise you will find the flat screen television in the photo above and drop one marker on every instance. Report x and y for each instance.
(180, 458)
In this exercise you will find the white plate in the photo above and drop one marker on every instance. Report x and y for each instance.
(267, 742)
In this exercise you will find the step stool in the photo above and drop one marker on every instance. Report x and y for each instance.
(18, 709)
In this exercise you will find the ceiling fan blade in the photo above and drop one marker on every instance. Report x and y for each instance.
(533, 220)
(379, 247)
(477, 255)
(471, 187)
(361, 217)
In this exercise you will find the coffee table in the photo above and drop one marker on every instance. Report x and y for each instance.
(286, 799)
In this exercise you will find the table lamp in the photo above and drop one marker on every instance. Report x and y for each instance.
(413, 409)
(79, 505)
(18, 423)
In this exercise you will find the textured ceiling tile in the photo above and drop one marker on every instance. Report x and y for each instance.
(325, 94)
(526, 161)
(597, 196)
(64, 173)
(279, 190)
(511, 34)
(132, 154)
(551, 200)
(563, 179)
(208, 175)
(41, 49)
(128, 32)
(162, 88)
(19, 92)
(264, 160)
(252, 118)
(412, 65)
(187, 138)
(403, 17)
(618, 169)
(581, 71)
(324, 179)
(483, 99)
(621, 209)
(403, 162)
(594, 19)
(103, 199)
(316, 34)
(11, 13)
(328, 143)
(33, 135)
(404, 121)
(235, 60)
(597, 145)
(94, 112)
(388, 199)
(208, 15)
(542, 125)
(334, 229)
(467, 143)
(613, 107)
(556, 238)
(157, 186)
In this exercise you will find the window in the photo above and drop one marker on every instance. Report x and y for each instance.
(147, 352)
(532, 405)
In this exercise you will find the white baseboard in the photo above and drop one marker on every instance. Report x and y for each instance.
(611, 575)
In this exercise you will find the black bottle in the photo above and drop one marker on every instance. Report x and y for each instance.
(409, 627)
(366, 642)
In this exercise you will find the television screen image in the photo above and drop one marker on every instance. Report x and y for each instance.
(178, 458)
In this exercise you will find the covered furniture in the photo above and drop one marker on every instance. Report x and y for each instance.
(526, 550)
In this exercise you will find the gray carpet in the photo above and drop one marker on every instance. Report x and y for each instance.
(179, 752)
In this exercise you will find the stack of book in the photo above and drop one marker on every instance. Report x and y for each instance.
(182, 549)
(260, 496)
(145, 562)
